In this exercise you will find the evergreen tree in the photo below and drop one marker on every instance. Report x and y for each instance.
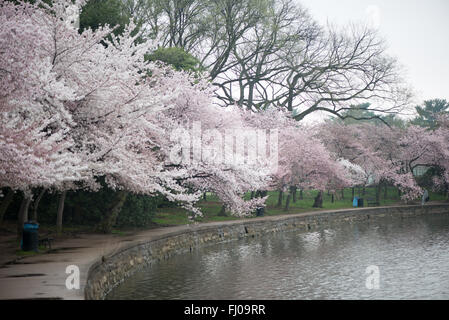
(427, 115)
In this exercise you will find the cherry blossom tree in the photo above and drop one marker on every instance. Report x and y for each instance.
(35, 144)
(79, 107)
(210, 157)
(303, 162)
(376, 150)
(427, 148)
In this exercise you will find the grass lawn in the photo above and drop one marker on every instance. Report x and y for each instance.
(170, 216)
(211, 207)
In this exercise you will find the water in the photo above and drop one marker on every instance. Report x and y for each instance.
(412, 256)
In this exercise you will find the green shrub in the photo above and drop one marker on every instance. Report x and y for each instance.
(87, 208)
(138, 211)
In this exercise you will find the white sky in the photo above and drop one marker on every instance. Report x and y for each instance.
(416, 31)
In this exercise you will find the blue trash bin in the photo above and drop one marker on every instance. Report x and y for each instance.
(30, 238)
(355, 202)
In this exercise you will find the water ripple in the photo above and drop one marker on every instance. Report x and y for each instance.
(412, 256)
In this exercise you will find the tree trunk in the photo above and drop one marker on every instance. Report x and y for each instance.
(318, 200)
(363, 191)
(281, 193)
(60, 212)
(287, 202)
(252, 194)
(353, 193)
(204, 196)
(36, 204)
(294, 194)
(378, 190)
(385, 191)
(222, 212)
(261, 211)
(332, 200)
(5, 204)
(110, 216)
(23, 215)
(343, 194)
(301, 195)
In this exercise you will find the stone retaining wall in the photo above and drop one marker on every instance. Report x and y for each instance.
(111, 270)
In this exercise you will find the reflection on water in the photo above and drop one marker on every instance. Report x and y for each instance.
(412, 255)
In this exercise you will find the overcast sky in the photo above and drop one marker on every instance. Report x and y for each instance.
(417, 33)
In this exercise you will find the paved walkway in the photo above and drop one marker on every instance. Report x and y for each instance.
(43, 276)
